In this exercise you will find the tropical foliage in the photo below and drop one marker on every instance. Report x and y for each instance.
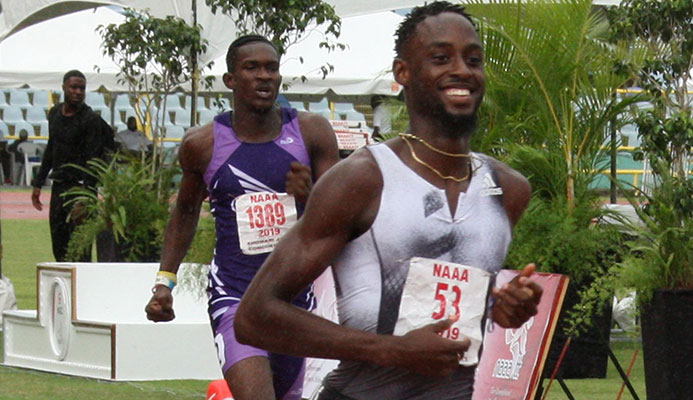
(550, 89)
(662, 253)
(130, 201)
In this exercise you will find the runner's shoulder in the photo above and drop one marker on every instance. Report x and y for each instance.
(196, 146)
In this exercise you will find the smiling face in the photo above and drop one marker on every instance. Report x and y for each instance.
(255, 78)
(441, 68)
(74, 89)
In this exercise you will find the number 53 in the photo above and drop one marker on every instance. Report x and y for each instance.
(440, 295)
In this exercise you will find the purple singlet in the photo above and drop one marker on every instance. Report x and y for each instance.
(238, 168)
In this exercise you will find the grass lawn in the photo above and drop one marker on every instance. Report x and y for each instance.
(27, 242)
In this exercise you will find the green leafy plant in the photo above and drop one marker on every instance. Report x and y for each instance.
(662, 249)
(550, 86)
(155, 56)
(569, 242)
(130, 202)
(661, 253)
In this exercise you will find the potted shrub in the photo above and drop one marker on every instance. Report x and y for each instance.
(129, 210)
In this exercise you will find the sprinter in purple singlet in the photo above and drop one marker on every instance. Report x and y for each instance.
(257, 164)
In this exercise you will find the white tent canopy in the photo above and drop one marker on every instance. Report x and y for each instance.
(364, 67)
(16, 15)
(41, 39)
(39, 54)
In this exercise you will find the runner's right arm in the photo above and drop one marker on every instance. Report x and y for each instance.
(194, 155)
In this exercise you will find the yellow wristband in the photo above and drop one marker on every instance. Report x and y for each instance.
(165, 278)
(169, 275)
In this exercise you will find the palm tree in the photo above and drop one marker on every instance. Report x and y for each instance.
(551, 81)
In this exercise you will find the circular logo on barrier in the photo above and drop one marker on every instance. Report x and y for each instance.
(60, 321)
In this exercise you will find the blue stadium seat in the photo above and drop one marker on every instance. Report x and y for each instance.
(35, 115)
(95, 100)
(343, 108)
(182, 117)
(20, 98)
(319, 107)
(205, 116)
(122, 102)
(298, 105)
(175, 132)
(4, 129)
(355, 116)
(172, 102)
(201, 105)
(42, 98)
(43, 129)
(104, 112)
(12, 114)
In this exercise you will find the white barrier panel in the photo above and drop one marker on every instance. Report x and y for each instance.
(91, 322)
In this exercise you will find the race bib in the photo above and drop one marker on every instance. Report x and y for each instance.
(435, 290)
(262, 219)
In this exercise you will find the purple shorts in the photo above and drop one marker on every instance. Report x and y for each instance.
(288, 371)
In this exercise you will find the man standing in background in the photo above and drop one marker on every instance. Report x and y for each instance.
(77, 134)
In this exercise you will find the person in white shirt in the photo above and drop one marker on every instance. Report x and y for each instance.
(131, 139)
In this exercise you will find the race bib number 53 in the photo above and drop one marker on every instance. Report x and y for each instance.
(435, 290)
(262, 219)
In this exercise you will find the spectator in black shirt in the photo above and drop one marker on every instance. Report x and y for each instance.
(76, 134)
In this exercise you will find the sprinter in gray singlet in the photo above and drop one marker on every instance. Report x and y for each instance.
(422, 194)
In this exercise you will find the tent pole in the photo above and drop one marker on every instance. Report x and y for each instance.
(195, 73)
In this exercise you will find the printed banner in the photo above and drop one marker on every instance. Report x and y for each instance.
(438, 289)
(262, 219)
(347, 140)
(513, 359)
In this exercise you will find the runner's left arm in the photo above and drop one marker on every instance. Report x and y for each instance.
(321, 144)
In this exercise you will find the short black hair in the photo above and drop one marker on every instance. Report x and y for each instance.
(408, 26)
(240, 42)
(73, 73)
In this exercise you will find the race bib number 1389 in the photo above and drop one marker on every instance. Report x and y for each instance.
(435, 290)
(262, 219)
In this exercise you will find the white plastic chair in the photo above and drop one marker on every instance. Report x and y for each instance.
(32, 159)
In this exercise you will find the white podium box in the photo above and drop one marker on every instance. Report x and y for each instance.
(91, 322)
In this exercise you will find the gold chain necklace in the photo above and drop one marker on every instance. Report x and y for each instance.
(439, 151)
(425, 164)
